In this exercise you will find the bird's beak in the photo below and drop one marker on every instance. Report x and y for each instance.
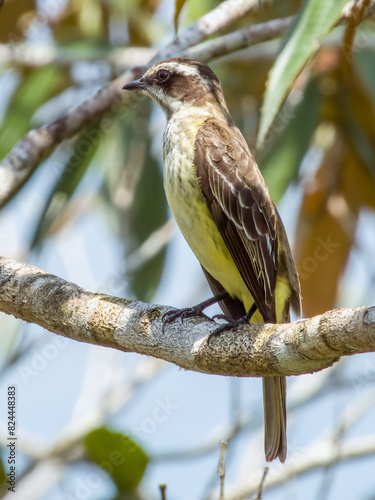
(135, 85)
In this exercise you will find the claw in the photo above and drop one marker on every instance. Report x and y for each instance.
(231, 322)
(221, 316)
(190, 312)
(182, 314)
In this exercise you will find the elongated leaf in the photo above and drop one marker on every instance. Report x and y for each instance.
(358, 110)
(323, 245)
(315, 21)
(37, 86)
(177, 10)
(365, 60)
(118, 455)
(281, 164)
(142, 179)
(149, 213)
(68, 180)
(357, 118)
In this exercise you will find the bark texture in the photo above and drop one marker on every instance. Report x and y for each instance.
(259, 350)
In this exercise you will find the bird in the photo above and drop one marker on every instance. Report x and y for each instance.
(224, 210)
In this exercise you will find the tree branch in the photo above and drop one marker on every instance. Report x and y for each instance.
(304, 346)
(21, 162)
(31, 54)
(240, 39)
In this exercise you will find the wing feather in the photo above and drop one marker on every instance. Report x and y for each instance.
(242, 208)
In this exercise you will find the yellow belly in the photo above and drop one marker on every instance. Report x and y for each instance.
(198, 228)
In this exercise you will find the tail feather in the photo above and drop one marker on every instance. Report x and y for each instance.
(274, 388)
(274, 399)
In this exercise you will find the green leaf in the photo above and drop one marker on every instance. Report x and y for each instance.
(118, 455)
(314, 22)
(148, 213)
(280, 164)
(365, 61)
(81, 156)
(69, 178)
(37, 86)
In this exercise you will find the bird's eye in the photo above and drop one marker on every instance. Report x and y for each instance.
(162, 75)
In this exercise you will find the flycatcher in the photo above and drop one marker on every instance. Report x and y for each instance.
(224, 210)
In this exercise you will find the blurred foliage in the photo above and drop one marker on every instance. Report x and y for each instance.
(56, 212)
(14, 19)
(332, 98)
(319, 113)
(280, 164)
(118, 455)
(35, 88)
(148, 213)
(177, 10)
(314, 21)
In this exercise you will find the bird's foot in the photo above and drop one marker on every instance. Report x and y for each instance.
(231, 323)
(190, 312)
(181, 314)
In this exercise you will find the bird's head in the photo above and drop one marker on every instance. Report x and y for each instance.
(180, 82)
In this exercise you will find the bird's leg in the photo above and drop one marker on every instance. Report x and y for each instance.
(231, 323)
(190, 312)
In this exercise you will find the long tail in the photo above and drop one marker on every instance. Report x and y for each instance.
(274, 388)
(274, 399)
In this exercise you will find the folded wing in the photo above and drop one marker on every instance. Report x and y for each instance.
(242, 208)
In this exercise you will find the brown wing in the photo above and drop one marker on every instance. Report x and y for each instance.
(242, 209)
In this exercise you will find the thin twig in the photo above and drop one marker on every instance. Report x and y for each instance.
(351, 414)
(162, 488)
(35, 54)
(221, 467)
(354, 16)
(239, 39)
(250, 421)
(261, 486)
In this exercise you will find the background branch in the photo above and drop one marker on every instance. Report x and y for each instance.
(31, 54)
(64, 308)
(25, 156)
(20, 163)
(325, 453)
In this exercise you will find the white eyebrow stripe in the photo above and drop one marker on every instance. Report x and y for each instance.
(184, 69)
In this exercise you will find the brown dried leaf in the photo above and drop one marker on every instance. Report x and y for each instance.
(325, 231)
